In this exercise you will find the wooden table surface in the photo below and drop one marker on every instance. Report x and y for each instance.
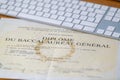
(112, 3)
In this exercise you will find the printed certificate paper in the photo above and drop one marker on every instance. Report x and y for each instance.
(36, 51)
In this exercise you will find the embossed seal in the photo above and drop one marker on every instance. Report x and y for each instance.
(58, 58)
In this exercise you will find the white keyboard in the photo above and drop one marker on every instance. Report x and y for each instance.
(74, 14)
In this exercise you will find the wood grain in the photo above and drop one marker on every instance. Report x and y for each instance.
(113, 3)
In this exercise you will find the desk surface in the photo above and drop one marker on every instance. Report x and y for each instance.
(112, 3)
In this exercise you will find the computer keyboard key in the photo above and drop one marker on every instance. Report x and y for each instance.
(109, 18)
(115, 19)
(113, 9)
(117, 35)
(69, 19)
(104, 7)
(108, 33)
(87, 23)
(61, 18)
(67, 24)
(110, 13)
(3, 11)
(100, 31)
(78, 27)
(76, 21)
(12, 13)
(4, 6)
(39, 13)
(89, 29)
(110, 28)
(54, 16)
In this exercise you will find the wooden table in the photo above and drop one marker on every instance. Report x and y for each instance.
(112, 3)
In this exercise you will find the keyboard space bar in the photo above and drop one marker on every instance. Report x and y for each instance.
(39, 19)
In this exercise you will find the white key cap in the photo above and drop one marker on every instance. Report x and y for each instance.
(10, 3)
(40, 4)
(117, 15)
(113, 9)
(46, 15)
(99, 11)
(108, 33)
(100, 31)
(12, 13)
(10, 7)
(83, 8)
(78, 27)
(110, 14)
(76, 21)
(39, 13)
(91, 19)
(83, 17)
(68, 4)
(69, 10)
(61, 3)
(97, 20)
(54, 7)
(62, 8)
(97, 6)
(46, 10)
(109, 18)
(82, 3)
(86, 23)
(3, 1)
(18, 9)
(54, 16)
(61, 18)
(47, 5)
(26, 1)
(68, 19)
(91, 14)
(115, 34)
(76, 11)
(68, 14)
(90, 29)
(4, 6)
(18, 4)
(40, 19)
(84, 13)
(32, 12)
(115, 19)
(53, 2)
(24, 6)
(110, 28)
(75, 16)
(53, 11)
(89, 4)
(104, 7)
(61, 13)
(3, 11)
(24, 11)
(75, 6)
(33, 2)
(38, 8)
(99, 16)
(90, 9)
(67, 24)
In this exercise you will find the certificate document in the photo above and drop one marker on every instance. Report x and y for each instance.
(53, 53)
